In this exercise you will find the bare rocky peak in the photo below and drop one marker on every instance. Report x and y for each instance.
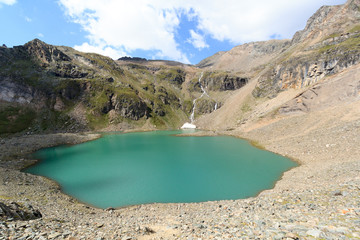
(246, 57)
(250, 56)
(329, 19)
(44, 52)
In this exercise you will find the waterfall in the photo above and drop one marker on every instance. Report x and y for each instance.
(192, 115)
(194, 101)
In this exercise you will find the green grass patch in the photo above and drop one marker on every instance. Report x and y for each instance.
(173, 75)
(333, 35)
(15, 119)
(97, 121)
(355, 29)
(245, 108)
(257, 144)
(350, 44)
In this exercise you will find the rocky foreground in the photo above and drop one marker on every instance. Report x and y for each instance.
(317, 200)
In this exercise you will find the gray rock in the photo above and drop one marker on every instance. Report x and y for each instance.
(315, 233)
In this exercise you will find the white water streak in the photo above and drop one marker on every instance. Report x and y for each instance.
(194, 101)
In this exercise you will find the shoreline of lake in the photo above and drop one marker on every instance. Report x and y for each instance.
(202, 169)
(318, 198)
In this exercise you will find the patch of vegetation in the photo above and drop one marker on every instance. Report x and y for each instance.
(175, 76)
(97, 121)
(333, 35)
(245, 108)
(350, 44)
(15, 119)
(49, 120)
(158, 122)
(257, 144)
(187, 106)
(355, 29)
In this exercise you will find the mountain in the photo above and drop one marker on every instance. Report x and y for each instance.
(245, 58)
(329, 46)
(56, 88)
(299, 98)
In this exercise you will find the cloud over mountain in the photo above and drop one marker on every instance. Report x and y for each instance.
(119, 27)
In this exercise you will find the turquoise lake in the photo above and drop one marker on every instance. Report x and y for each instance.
(137, 168)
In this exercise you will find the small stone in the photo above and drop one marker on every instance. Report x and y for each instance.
(337, 193)
(54, 235)
(279, 236)
(314, 233)
(65, 234)
(148, 230)
(291, 236)
(342, 230)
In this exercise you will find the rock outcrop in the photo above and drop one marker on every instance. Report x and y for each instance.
(45, 53)
(329, 44)
(16, 211)
(219, 81)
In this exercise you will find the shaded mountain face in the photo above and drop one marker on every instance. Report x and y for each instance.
(69, 88)
(46, 87)
(56, 88)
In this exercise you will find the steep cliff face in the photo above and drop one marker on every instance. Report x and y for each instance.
(329, 19)
(329, 43)
(218, 81)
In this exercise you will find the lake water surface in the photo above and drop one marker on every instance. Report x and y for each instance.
(135, 168)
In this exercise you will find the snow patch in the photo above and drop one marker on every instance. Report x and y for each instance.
(188, 126)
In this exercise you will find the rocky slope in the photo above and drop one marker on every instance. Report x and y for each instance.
(247, 58)
(329, 44)
(299, 98)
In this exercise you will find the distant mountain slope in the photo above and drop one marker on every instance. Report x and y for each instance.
(245, 58)
(327, 46)
(329, 43)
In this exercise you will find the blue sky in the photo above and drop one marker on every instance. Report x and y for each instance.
(181, 30)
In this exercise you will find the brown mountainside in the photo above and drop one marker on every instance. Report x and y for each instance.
(329, 45)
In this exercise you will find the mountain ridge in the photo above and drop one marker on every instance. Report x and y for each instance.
(97, 92)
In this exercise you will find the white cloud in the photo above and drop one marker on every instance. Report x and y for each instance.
(152, 24)
(40, 35)
(28, 19)
(197, 40)
(129, 25)
(242, 21)
(101, 49)
(7, 2)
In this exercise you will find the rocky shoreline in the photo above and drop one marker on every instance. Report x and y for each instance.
(317, 200)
